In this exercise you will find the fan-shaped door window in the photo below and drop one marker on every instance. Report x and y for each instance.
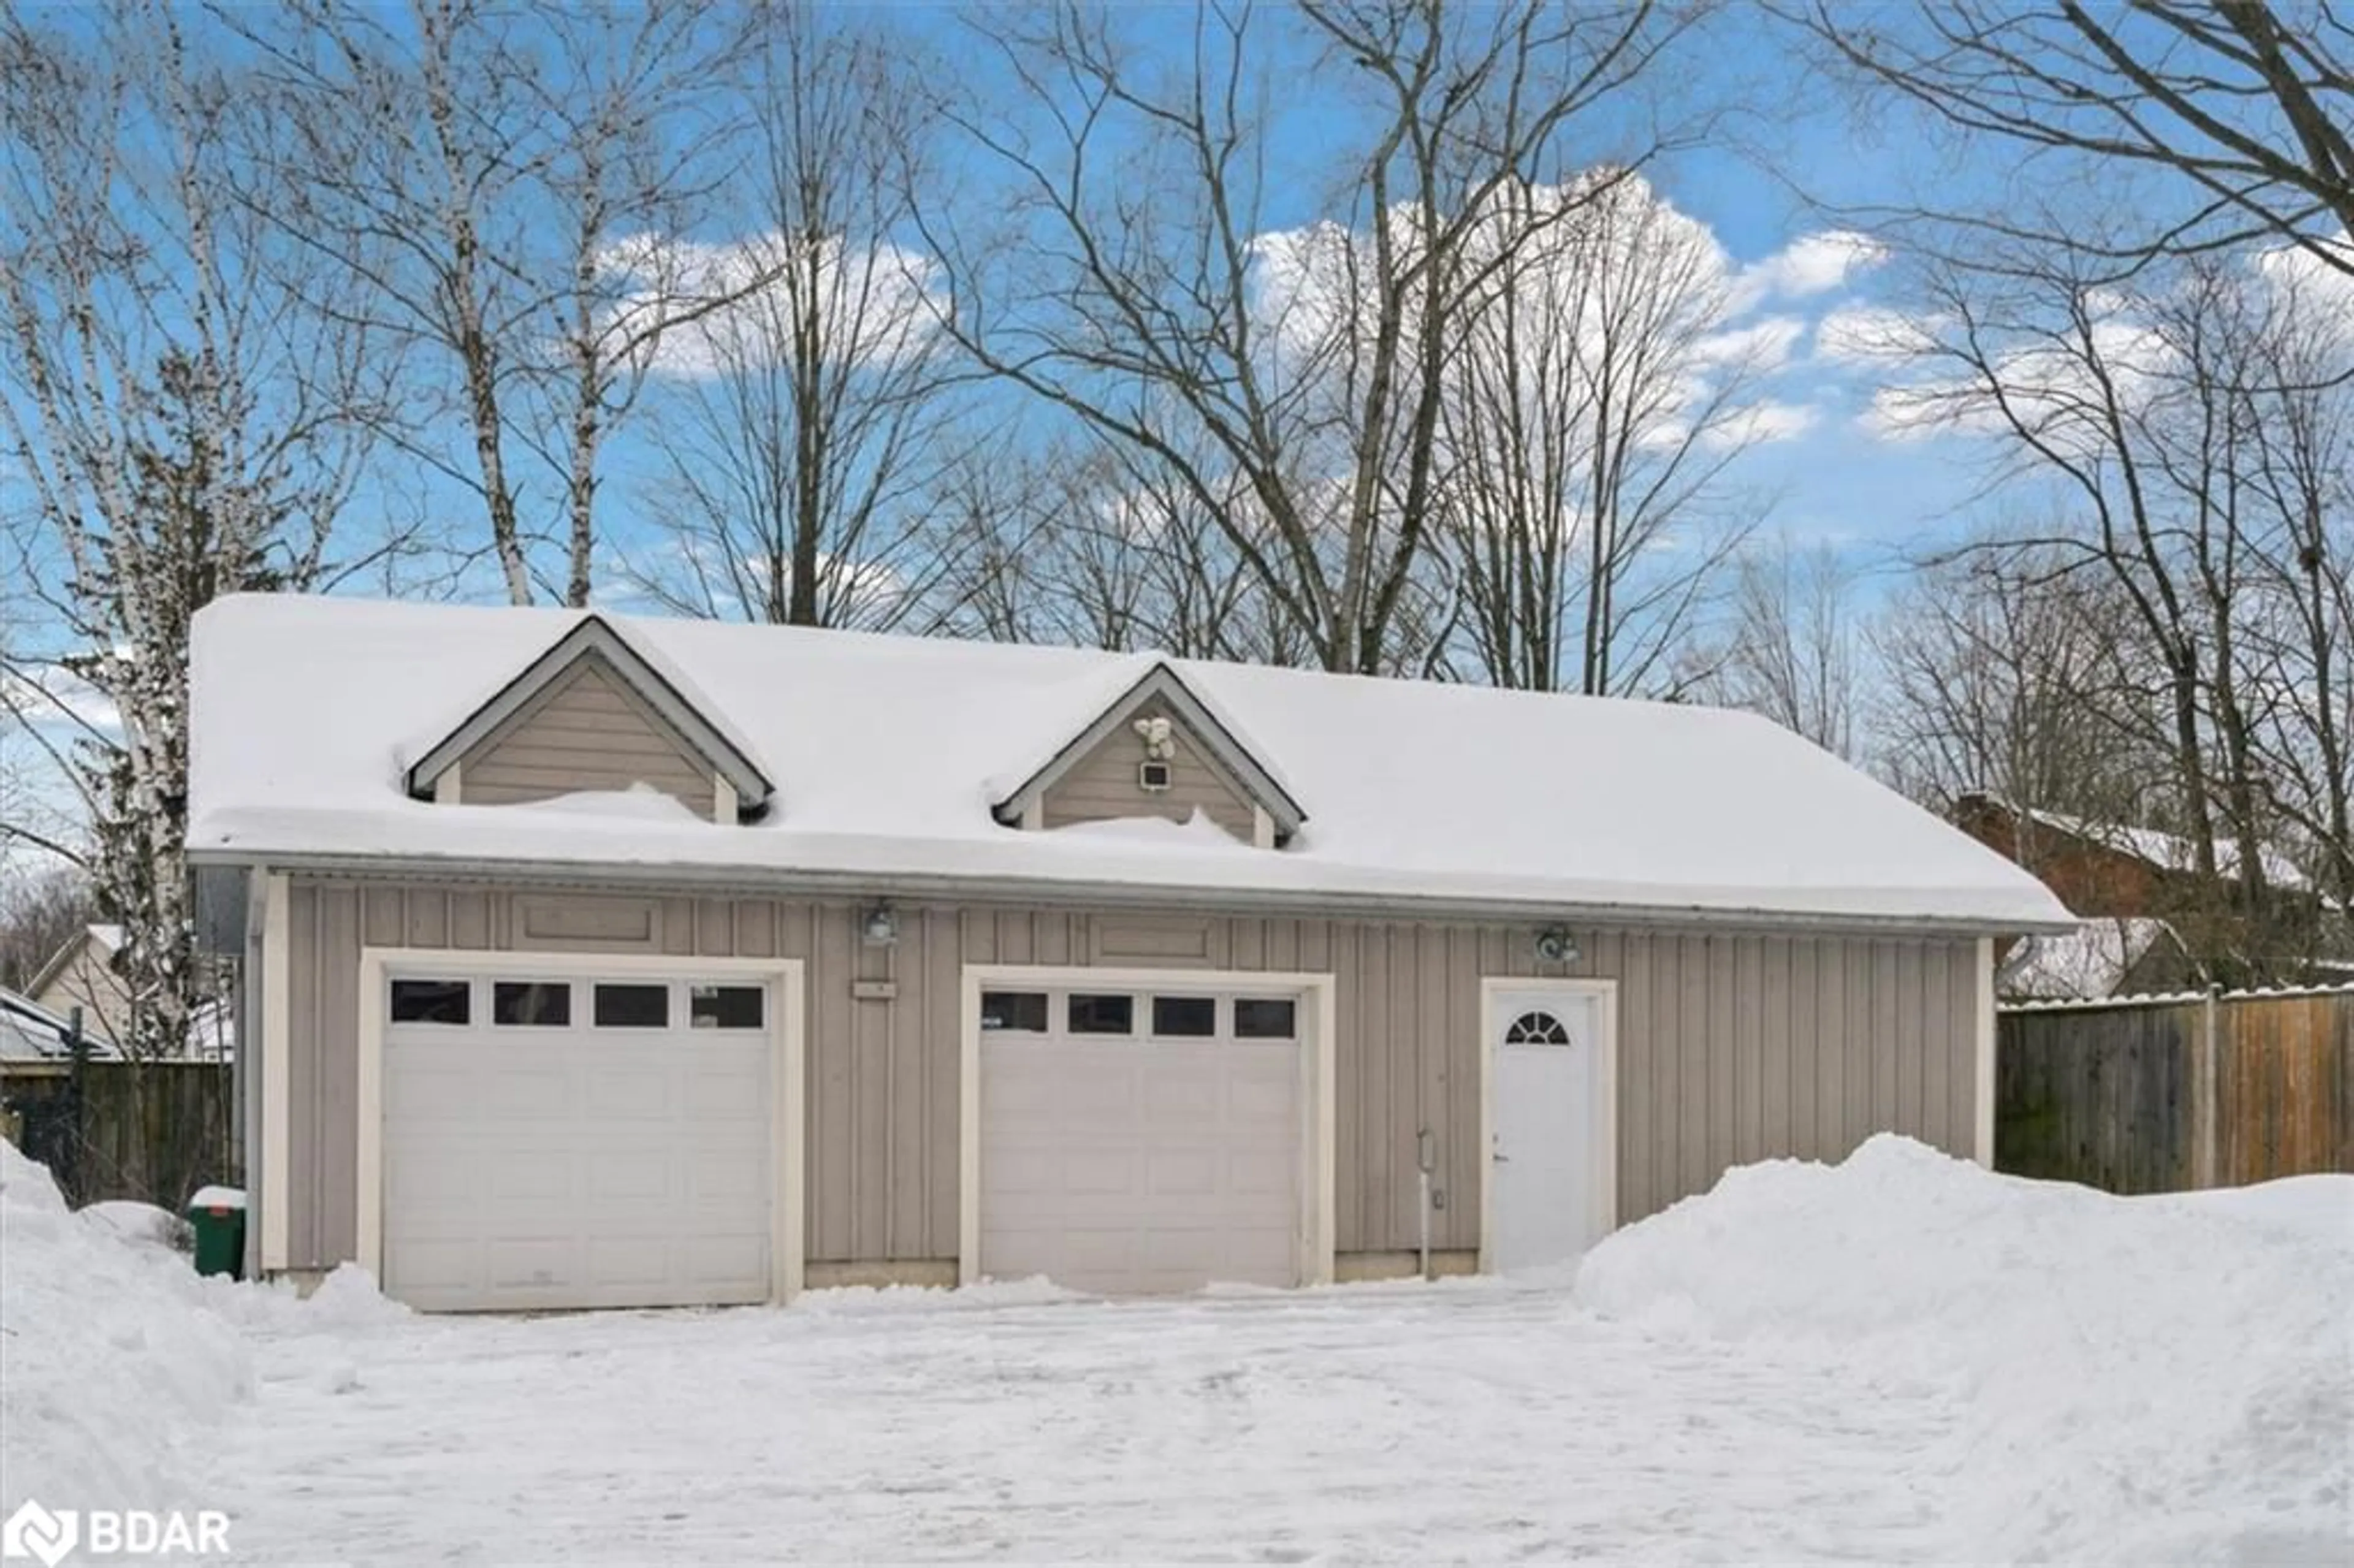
(1537, 1029)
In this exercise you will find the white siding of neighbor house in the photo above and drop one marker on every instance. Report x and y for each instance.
(587, 731)
(88, 981)
(1732, 1047)
(1102, 785)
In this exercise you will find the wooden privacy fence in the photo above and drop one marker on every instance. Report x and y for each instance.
(2168, 1094)
(155, 1131)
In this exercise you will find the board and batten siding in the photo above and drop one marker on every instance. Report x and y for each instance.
(1101, 786)
(1732, 1047)
(587, 731)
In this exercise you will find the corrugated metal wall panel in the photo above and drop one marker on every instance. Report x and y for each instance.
(1732, 1048)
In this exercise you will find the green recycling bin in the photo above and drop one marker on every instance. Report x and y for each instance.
(218, 1215)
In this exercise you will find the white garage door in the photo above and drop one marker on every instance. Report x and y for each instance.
(554, 1141)
(1140, 1140)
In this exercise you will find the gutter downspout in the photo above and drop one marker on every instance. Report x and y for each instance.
(1425, 1157)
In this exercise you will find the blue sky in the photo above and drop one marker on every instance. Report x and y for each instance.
(1787, 154)
(1786, 159)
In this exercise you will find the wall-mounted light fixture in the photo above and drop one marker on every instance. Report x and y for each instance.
(882, 927)
(1556, 946)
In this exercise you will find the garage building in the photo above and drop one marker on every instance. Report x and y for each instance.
(591, 961)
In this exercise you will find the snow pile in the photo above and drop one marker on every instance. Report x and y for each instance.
(108, 1351)
(2140, 1380)
(639, 802)
(113, 1352)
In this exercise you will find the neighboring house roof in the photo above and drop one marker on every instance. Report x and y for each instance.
(2093, 960)
(212, 1029)
(108, 939)
(30, 1033)
(672, 694)
(884, 750)
(1099, 706)
(2166, 852)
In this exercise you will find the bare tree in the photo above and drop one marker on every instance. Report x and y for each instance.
(1591, 411)
(40, 913)
(820, 413)
(486, 174)
(2298, 641)
(2144, 410)
(1794, 652)
(1290, 384)
(180, 423)
(2240, 113)
(1997, 674)
(1082, 544)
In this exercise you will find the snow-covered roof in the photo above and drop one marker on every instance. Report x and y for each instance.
(2093, 960)
(30, 1033)
(2168, 852)
(884, 750)
(107, 936)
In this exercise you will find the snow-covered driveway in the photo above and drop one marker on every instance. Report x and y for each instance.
(1898, 1358)
(1391, 1424)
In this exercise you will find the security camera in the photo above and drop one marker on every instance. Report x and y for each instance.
(1556, 946)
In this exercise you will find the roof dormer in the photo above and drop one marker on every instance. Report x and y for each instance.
(593, 712)
(1158, 750)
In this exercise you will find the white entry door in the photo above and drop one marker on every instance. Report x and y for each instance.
(1137, 1139)
(559, 1140)
(1551, 1126)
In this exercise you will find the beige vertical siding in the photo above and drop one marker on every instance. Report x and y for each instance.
(1102, 785)
(587, 731)
(1732, 1046)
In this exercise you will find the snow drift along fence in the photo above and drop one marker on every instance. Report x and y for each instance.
(2170, 1094)
(155, 1131)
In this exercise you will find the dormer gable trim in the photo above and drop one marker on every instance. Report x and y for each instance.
(1226, 750)
(593, 638)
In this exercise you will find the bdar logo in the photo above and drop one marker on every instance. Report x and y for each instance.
(34, 1532)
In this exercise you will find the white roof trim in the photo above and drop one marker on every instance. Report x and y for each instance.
(665, 692)
(62, 959)
(1229, 750)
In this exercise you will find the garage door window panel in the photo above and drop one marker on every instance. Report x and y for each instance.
(1266, 1018)
(1184, 1017)
(532, 1004)
(726, 1006)
(1102, 1015)
(622, 1006)
(1015, 1011)
(432, 1001)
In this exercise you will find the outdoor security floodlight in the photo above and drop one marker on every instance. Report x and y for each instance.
(1556, 946)
(882, 927)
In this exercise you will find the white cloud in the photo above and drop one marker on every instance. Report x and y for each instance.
(1763, 344)
(2052, 382)
(1754, 424)
(1872, 335)
(52, 695)
(1810, 265)
(877, 305)
(2321, 293)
